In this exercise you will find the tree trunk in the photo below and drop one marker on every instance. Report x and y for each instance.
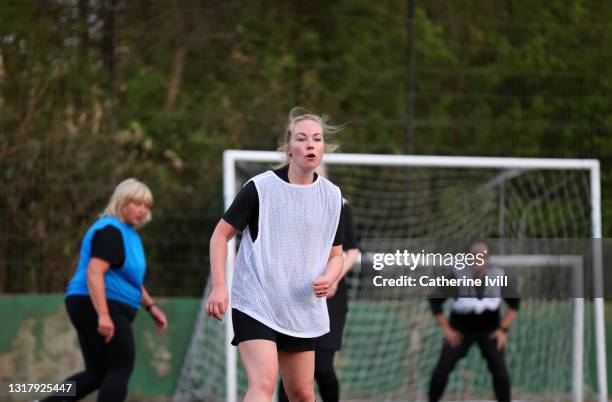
(176, 75)
(84, 28)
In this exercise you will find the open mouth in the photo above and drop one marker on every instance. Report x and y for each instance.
(311, 156)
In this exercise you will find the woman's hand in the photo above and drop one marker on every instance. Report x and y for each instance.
(321, 286)
(332, 290)
(159, 317)
(501, 337)
(451, 336)
(106, 327)
(217, 302)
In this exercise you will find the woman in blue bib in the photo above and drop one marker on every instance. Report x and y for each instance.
(107, 289)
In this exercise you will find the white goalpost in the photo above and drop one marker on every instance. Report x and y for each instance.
(439, 196)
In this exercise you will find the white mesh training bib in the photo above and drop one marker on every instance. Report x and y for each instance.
(273, 279)
(467, 302)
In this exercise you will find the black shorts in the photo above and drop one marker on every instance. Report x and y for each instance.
(247, 328)
(333, 339)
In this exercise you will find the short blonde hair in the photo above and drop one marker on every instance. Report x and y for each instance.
(298, 114)
(129, 190)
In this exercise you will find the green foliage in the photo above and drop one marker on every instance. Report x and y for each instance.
(491, 78)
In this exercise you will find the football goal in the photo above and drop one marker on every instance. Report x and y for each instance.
(556, 347)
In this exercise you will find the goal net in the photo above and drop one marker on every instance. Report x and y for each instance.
(555, 347)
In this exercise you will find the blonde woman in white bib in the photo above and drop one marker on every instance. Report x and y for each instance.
(289, 257)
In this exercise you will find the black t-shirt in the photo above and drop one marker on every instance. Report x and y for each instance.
(351, 240)
(488, 320)
(244, 210)
(339, 303)
(107, 245)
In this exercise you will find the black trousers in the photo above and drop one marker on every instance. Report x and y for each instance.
(325, 376)
(108, 366)
(451, 355)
